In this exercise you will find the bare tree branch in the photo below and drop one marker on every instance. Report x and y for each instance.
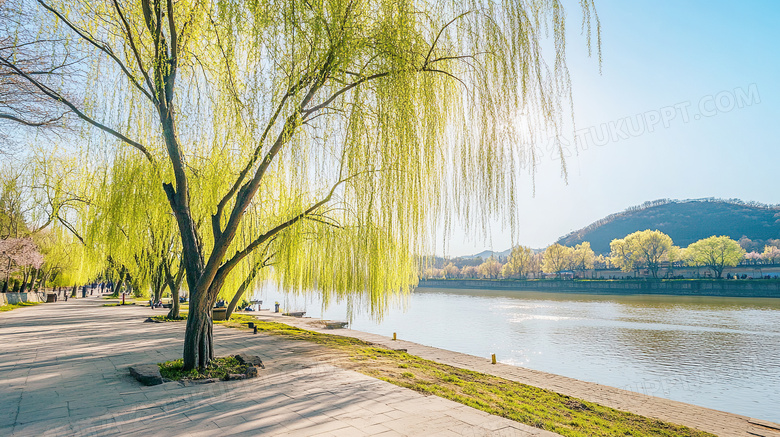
(240, 255)
(136, 53)
(30, 123)
(103, 47)
(441, 31)
(342, 91)
(58, 97)
(216, 218)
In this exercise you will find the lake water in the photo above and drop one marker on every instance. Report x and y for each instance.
(721, 353)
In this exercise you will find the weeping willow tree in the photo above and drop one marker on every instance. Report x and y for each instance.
(131, 227)
(42, 196)
(65, 198)
(329, 136)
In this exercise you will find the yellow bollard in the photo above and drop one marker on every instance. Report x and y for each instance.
(394, 336)
(494, 359)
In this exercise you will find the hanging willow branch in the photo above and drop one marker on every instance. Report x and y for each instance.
(251, 110)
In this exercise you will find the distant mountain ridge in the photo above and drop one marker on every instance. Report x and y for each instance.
(686, 221)
(485, 254)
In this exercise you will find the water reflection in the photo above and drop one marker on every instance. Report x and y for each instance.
(722, 353)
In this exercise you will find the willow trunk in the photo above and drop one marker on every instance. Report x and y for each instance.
(174, 312)
(199, 337)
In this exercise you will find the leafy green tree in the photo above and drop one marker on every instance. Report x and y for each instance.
(535, 267)
(582, 257)
(603, 262)
(675, 255)
(717, 253)
(433, 273)
(519, 262)
(557, 258)
(324, 125)
(451, 271)
(470, 272)
(37, 200)
(128, 226)
(490, 269)
(621, 254)
(771, 254)
(641, 249)
(12, 209)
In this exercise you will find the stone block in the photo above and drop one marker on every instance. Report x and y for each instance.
(251, 360)
(251, 372)
(147, 374)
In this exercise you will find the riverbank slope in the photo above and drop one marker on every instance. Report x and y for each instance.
(717, 422)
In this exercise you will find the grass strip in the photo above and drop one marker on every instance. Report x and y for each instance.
(13, 306)
(523, 403)
(220, 368)
(165, 318)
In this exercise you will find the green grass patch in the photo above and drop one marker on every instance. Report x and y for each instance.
(165, 318)
(523, 403)
(219, 368)
(117, 304)
(237, 321)
(13, 306)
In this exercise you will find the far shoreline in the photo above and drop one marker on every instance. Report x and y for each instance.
(756, 288)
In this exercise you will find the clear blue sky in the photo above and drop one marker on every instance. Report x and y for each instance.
(715, 63)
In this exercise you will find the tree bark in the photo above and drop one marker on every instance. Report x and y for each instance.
(131, 285)
(198, 338)
(174, 284)
(45, 278)
(174, 312)
(35, 284)
(23, 288)
(7, 276)
(118, 284)
(157, 292)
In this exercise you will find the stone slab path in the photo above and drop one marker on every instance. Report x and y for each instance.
(64, 372)
(714, 421)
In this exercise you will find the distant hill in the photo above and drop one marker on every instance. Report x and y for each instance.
(685, 221)
(485, 254)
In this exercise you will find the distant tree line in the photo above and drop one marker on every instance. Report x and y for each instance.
(647, 250)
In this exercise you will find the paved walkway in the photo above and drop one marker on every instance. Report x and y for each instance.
(63, 372)
(714, 421)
